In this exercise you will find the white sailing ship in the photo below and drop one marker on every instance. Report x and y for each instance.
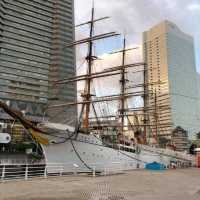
(85, 150)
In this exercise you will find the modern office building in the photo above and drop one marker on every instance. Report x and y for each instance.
(32, 53)
(172, 77)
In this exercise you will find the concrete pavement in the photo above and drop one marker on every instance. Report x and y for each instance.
(179, 184)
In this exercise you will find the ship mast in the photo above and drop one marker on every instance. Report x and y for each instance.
(123, 81)
(86, 95)
(84, 117)
(90, 58)
(123, 87)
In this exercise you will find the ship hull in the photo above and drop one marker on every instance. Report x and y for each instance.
(86, 153)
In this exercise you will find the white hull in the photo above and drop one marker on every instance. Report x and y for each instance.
(87, 152)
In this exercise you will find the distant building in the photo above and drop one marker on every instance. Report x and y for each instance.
(180, 139)
(32, 54)
(170, 58)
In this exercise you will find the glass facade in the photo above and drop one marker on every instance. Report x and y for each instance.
(169, 54)
(32, 36)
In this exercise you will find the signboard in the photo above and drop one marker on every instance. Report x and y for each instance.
(5, 138)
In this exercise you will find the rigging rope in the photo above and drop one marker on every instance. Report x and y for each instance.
(86, 165)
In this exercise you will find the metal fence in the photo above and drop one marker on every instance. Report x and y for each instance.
(30, 171)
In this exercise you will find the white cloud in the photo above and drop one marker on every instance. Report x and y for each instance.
(193, 7)
(136, 16)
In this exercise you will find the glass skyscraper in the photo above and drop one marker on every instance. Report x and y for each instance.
(169, 54)
(33, 34)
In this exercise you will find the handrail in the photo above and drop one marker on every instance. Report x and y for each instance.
(30, 171)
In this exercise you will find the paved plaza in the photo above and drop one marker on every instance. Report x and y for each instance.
(181, 184)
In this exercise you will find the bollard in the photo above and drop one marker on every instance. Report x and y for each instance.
(45, 172)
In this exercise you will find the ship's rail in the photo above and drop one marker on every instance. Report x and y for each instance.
(169, 153)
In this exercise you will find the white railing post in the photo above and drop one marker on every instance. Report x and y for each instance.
(45, 172)
(94, 172)
(108, 171)
(26, 172)
(75, 171)
(61, 170)
(3, 173)
(105, 171)
(75, 166)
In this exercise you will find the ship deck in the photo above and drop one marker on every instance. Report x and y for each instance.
(181, 184)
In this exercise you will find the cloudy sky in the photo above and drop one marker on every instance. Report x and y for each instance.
(135, 16)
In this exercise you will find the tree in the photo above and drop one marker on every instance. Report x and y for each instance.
(198, 136)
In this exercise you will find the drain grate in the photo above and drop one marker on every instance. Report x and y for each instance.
(103, 191)
(115, 197)
(102, 195)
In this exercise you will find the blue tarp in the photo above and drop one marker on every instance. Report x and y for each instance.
(155, 166)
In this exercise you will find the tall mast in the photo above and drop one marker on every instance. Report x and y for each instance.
(84, 118)
(89, 58)
(89, 76)
(123, 81)
(123, 86)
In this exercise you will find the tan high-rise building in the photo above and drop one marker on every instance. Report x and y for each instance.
(172, 78)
